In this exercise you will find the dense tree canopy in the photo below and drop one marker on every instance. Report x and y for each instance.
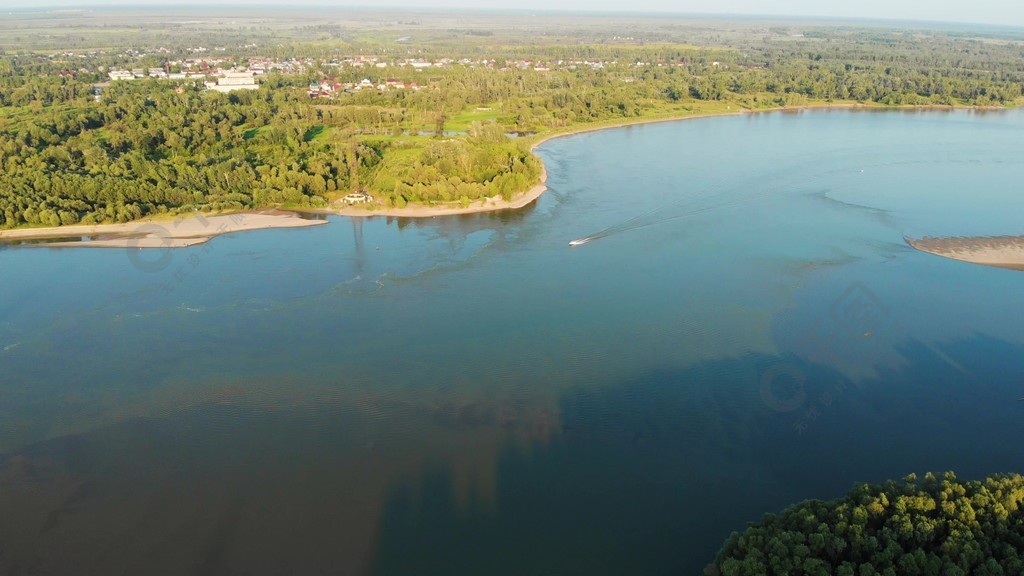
(151, 147)
(938, 526)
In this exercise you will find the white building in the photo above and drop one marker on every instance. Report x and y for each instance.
(234, 81)
(357, 198)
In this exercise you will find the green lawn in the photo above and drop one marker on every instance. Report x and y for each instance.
(318, 132)
(461, 121)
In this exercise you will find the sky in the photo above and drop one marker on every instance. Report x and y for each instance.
(1005, 12)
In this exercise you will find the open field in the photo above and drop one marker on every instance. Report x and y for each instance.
(487, 32)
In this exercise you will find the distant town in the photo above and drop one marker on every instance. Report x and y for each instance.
(225, 75)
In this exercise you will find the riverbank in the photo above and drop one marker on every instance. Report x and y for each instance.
(996, 251)
(192, 230)
(169, 233)
(497, 203)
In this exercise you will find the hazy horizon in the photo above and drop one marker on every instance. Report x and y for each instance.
(989, 12)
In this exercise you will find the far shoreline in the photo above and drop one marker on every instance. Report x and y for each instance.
(199, 228)
(497, 204)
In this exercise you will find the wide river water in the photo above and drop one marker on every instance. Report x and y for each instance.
(469, 395)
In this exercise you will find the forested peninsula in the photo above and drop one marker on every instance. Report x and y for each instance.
(426, 115)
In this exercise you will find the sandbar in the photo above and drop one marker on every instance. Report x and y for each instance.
(997, 251)
(177, 233)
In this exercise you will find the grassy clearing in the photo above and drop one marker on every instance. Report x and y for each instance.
(249, 134)
(318, 132)
(460, 122)
(397, 158)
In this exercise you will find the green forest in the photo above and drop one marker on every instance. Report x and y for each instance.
(147, 148)
(72, 153)
(935, 526)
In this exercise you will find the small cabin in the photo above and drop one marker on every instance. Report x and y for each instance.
(357, 198)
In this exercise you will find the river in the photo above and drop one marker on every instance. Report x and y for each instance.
(470, 395)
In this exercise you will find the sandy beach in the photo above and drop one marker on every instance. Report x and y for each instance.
(997, 251)
(177, 233)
